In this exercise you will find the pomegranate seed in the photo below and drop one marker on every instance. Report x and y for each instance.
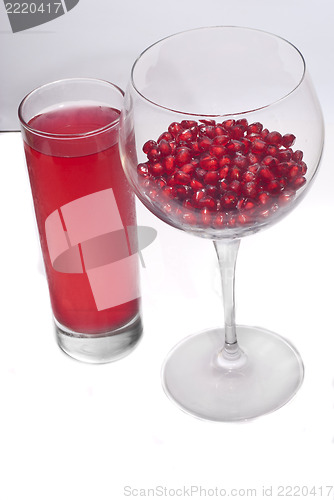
(168, 192)
(156, 169)
(252, 158)
(237, 131)
(240, 161)
(204, 143)
(235, 186)
(270, 161)
(206, 216)
(219, 220)
(228, 124)
(264, 198)
(181, 192)
(142, 170)
(274, 186)
(182, 178)
(171, 180)
(297, 156)
(229, 200)
(235, 146)
(303, 167)
(274, 138)
(195, 184)
(264, 133)
(212, 191)
(217, 151)
(287, 196)
(148, 146)
(223, 172)
(288, 140)
(188, 168)
(207, 131)
(243, 122)
(186, 135)
(174, 129)
(266, 174)
(247, 144)
(225, 161)
(294, 170)
(254, 128)
(248, 176)
(188, 123)
(284, 155)
(207, 202)
(160, 182)
(235, 173)
(221, 139)
(208, 121)
(166, 136)
(198, 195)
(223, 185)
(182, 156)
(272, 150)
(211, 178)
(208, 163)
(299, 182)
(258, 146)
(250, 189)
(164, 148)
(169, 164)
(154, 154)
(189, 218)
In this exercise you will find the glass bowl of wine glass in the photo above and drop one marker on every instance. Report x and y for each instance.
(221, 135)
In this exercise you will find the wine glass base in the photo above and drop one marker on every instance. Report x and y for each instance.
(270, 376)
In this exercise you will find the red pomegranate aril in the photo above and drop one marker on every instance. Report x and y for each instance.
(174, 129)
(266, 174)
(250, 189)
(211, 178)
(164, 148)
(298, 182)
(157, 169)
(248, 176)
(235, 173)
(240, 161)
(228, 124)
(219, 220)
(188, 168)
(223, 185)
(287, 196)
(143, 170)
(282, 169)
(168, 191)
(247, 144)
(148, 146)
(229, 200)
(235, 146)
(252, 158)
(207, 202)
(235, 186)
(217, 151)
(186, 135)
(212, 191)
(208, 121)
(258, 146)
(270, 161)
(204, 143)
(221, 139)
(166, 136)
(195, 184)
(223, 172)
(207, 131)
(274, 138)
(182, 156)
(189, 218)
(264, 198)
(169, 164)
(284, 155)
(303, 167)
(206, 216)
(197, 196)
(288, 140)
(181, 192)
(188, 123)
(293, 171)
(182, 178)
(200, 173)
(160, 182)
(208, 163)
(225, 161)
(274, 186)
(243, 122)
(297, 156)
(264, 133)
(254, 128)
(171, 180)
(237, 132)
(254, 168)
(272, 150)
(154, 154)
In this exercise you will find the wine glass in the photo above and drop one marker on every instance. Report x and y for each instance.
(221, 135)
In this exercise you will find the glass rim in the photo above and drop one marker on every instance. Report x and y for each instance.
(42, 133)
(239, 113)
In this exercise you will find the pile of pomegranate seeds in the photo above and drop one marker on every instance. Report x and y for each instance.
(221, 174)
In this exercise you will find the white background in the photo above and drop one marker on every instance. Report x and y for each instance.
(76, 432)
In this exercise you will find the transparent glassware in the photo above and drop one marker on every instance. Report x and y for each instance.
(221, 135)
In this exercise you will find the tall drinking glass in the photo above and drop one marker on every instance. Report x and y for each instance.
(85, 213)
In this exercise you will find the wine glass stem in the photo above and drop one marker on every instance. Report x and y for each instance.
(227, 251)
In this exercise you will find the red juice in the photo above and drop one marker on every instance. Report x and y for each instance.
(75, 173)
